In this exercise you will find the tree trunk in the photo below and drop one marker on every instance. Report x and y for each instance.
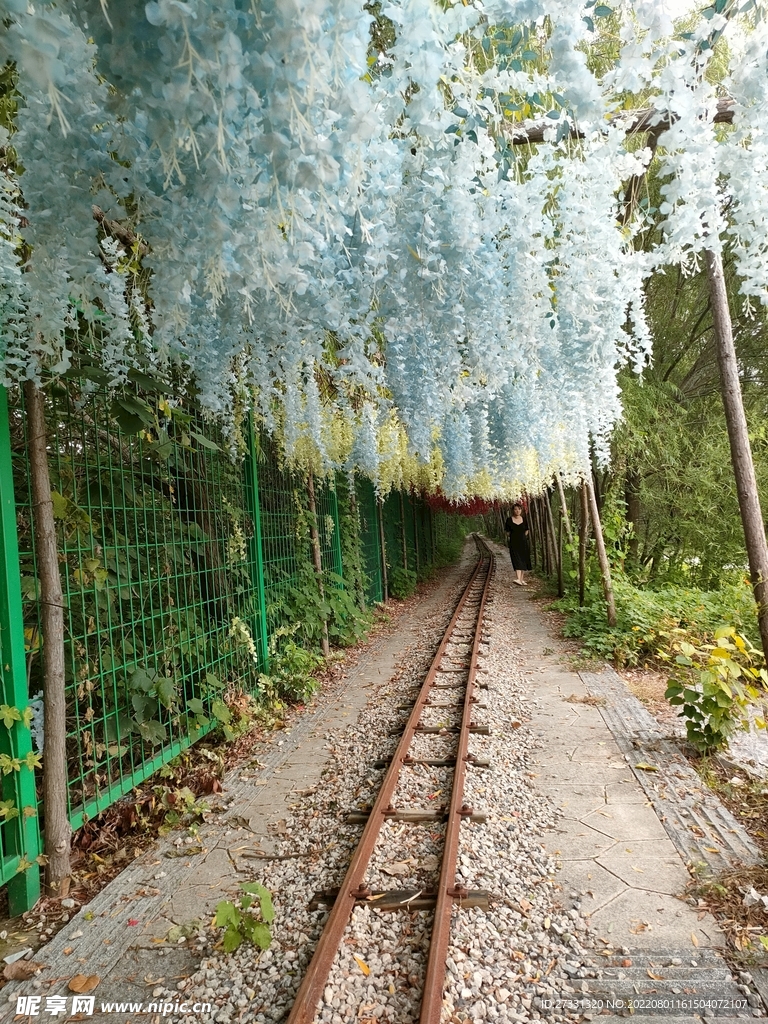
(560, 582)
(402, 532)
(317, 560)
(738, 435)
(632, 498)
(583, 538)
(605, 567)
(58, 832)
(382, 541)
(551, 535)
(564, 509)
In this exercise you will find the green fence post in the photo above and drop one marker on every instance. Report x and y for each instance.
(20, 836)
(257, 558)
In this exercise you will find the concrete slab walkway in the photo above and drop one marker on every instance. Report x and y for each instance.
(616, 854)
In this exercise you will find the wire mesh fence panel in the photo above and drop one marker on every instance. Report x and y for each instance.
(409, 529)
(283, 554)
(370, 539)
(157, 572)
(393, 532)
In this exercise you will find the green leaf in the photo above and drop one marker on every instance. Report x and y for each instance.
(166, 691)
(261, 935)
(221, 712)
(60, 505)
(147, 383)
(204, 441)
(602, 11)
(226, 914)
(232, 939)
(195, 705)
(265, 899)
(153, 732)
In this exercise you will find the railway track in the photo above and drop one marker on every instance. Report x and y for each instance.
(452, 674)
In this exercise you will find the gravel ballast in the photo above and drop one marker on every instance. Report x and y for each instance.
(501, 962)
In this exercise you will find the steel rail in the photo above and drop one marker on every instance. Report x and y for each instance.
(448, 890)
(310, 991)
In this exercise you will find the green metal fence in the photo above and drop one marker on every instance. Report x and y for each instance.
(181, 568)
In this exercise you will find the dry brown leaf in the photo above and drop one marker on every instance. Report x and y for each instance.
(694, 940)
(362, 965)
(656, 977)
(595, 702)
(84, 983)
(398, 869)
(21, 970)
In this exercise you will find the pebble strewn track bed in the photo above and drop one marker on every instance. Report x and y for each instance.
(502, 962)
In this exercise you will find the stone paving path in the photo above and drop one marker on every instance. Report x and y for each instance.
(613, 847)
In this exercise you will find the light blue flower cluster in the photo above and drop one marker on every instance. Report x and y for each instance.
(321, 206)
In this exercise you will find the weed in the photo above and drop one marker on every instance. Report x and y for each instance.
(248, 919)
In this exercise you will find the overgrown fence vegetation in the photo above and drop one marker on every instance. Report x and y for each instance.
(198, 586)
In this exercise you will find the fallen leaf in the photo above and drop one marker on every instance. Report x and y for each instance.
(132, 921)
(645, 767)
(21, 970)
(656, 977)
(84, 983)
(398, 869)
(711, 849)
(362, 965)
(626, 963)
(694, 940)
(525, 905)
(68, 950)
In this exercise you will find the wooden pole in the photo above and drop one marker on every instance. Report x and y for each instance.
(583, 538)
(317, 560)
(383, 543)
(738, 435)
(564, 508)
(402, 532)
(560, 583)
(605, 567)
(58, 832)
(551, 534)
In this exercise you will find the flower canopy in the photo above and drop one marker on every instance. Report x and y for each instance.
(332, 211)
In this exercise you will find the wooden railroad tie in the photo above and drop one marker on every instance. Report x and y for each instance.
(403, 899)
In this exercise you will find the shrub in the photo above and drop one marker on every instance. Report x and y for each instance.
(402, 583)
(647, 619)
(714, 684)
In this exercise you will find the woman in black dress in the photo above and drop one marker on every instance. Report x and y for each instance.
(516, 528)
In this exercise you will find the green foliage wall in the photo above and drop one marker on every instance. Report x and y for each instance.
(188, 576)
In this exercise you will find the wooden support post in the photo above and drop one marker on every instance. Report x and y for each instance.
(58, 831)
(402, 532)
(564, 508)
(605, 567)
(583, 538)
(317, 560)
(383, 544)
(738, 435)
(551, 535)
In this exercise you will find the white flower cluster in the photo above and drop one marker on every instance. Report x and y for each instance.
(339, 224)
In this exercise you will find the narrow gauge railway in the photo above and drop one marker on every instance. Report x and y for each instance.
(449, 684)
